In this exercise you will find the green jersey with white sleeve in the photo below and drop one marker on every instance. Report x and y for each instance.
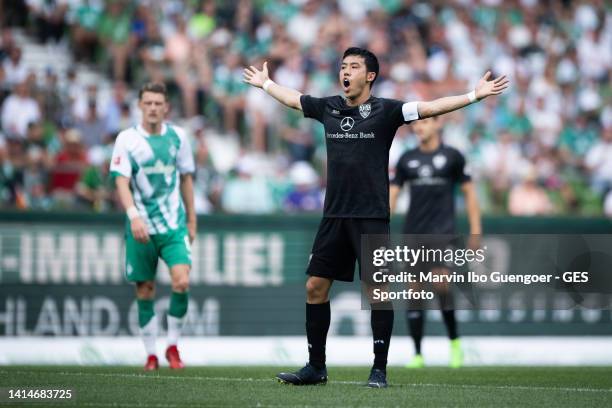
(154, 163)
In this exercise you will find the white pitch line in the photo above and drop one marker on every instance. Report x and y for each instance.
(163, 405)
(230, 379)
(120, 404)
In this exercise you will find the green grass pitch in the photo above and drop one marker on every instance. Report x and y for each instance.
(256, 387)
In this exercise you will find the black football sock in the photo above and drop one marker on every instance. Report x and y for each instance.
(382, 327)
(451, 323)
(317, 325)
(448, 314)
(416, 323)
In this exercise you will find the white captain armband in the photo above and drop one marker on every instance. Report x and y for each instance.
(410, 111)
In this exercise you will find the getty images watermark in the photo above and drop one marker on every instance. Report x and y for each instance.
(487, 272)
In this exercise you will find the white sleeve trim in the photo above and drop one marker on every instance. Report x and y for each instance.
(410, 111)
(120, 160)
(184, 160)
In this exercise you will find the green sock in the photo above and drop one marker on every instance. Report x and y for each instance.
(146, 311)
(178, 304)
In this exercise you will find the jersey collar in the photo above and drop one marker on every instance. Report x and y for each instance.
(347, 107)
(433, 151)
(143, 132)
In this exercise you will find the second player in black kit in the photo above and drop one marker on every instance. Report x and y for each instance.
(359, 129)
(433, 171)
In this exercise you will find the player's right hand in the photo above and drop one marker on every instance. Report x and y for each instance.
(255, 77)
(139, 230)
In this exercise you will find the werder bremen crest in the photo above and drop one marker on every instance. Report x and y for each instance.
(364, 110)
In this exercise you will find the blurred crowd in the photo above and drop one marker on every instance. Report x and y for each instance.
(543, 148)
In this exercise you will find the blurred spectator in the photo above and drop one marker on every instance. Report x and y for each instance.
(70, 90)
(35, 179)
(92, 127)
(7, 43)
(10, 176)
(14, 68)
(68, 167)
(49, 18)
(305, 195)
(35, 136)
(576, 140)
(247, 192)
(261, 114)
(152, 52)
(179, 52)
(114, 31)
(18, 111)
(599, 163)
(608, 205)
(50, 98)
(291, 72)
(84, 100)
(86, 17)
(503, 166)
(594, 51)
(297, 133)
(229, 89)
(117, 111)
(304, 26)
(527, 198)
(94, 186)
(546, 122)
(208, 184)
(203, 22)
(260, 117)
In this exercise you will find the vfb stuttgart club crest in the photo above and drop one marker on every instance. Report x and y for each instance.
(364, 110)
(439, 161)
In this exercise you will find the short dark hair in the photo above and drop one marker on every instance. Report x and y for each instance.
(371, 62)
(155, 87)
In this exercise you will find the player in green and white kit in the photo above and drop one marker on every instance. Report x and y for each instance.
(152, 165)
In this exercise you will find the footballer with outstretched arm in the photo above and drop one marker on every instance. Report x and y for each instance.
(359, 129)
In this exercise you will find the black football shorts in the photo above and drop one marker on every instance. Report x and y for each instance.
(338, 245)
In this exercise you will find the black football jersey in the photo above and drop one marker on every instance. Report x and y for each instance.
(432, 178)
(358, 141)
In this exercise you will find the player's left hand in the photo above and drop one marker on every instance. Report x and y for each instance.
(192, 227)
(487, 87)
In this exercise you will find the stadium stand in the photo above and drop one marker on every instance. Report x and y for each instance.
(68, 71)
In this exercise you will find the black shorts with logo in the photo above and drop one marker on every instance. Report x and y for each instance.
(338, 245)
